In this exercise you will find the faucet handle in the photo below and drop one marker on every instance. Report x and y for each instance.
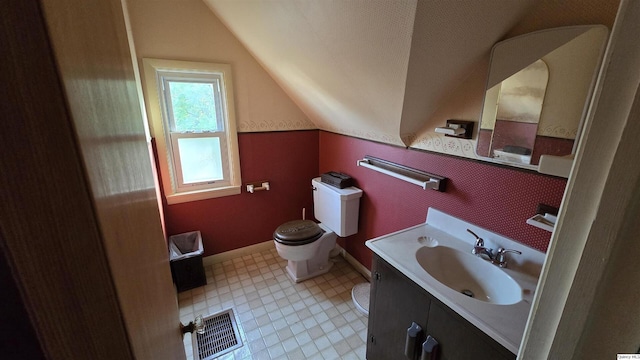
(479, 241)
(501, 259)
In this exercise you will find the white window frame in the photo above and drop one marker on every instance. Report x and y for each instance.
(157, 72)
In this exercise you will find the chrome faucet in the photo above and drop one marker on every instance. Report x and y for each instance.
(501, 259)
(479, 249)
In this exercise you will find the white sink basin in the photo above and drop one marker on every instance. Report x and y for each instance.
(469, 275)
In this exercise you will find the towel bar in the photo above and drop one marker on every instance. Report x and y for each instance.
(410, 175)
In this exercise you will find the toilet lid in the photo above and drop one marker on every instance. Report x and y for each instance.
(297, 232)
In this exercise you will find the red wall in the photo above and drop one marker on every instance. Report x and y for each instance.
(551, 146)
(513, 133)
(496, 198)
(288, 160)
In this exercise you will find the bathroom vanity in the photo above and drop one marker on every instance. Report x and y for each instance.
(427, 275)
(396, 302)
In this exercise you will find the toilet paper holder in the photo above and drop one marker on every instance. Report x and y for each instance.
(258, 186)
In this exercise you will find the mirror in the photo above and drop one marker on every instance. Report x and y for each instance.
(512, 112)
(537, 93)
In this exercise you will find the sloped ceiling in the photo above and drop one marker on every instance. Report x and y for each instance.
(374, 69)
(371, 69)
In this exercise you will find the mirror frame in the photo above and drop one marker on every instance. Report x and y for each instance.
(529, 48)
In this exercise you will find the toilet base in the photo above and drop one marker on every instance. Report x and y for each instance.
(310, 260)
(298, 270)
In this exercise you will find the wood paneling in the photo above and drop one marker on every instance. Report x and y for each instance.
(49, 230)
(78, 214)
(19, 340)
(92, 51)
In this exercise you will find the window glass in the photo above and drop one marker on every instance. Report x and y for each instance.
(193, 106)
(201, 159)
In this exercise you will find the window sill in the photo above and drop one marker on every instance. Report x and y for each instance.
(202, 194)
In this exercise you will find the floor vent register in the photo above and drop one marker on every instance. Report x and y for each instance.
(220, 336)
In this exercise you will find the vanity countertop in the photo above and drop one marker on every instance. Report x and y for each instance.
(503, 323)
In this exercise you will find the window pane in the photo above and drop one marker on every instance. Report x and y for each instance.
(194, 106)
(201, 159)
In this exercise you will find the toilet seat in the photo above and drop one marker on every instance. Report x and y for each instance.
(297, 232)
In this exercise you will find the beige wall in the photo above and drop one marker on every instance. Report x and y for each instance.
(188, 30)
(465, 102)
(569, 82)
(343, 62)
(388, 73)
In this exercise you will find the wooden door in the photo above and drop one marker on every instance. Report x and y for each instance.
(460, 340)
(396, 302)
(79, 218)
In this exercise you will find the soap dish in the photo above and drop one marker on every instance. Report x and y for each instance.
(546, 221)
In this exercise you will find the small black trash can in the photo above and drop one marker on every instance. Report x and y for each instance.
(185, 257)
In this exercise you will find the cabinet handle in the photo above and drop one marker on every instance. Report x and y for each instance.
(429, 349)
(411, 344)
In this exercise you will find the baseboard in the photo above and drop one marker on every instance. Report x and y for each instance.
(231, 254)
(268, 245)
(355, 263)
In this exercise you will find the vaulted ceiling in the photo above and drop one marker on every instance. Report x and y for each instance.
(380, 69)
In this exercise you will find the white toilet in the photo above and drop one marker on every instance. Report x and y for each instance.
(305, 244)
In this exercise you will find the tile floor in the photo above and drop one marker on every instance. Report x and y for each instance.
(278, 319)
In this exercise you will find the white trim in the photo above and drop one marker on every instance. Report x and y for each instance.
(268, 245)
(163, 143)
(202, 194)
(574, 296)
(355, 263)
(181, 184)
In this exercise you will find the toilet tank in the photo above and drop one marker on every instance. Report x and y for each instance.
(337, 209)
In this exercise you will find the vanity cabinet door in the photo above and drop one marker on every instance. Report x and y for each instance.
(459, 339)
(396, 302)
